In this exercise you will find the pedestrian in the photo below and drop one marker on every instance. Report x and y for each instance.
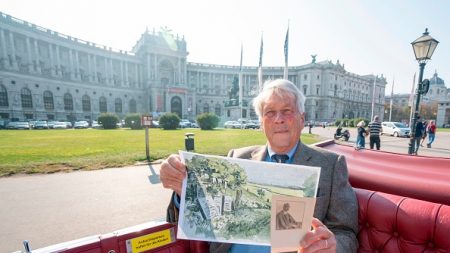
(431, 129)
(424, 134)
(309, 127)
(374, 131)
(418, 134)
(281, 110)
(361, 137)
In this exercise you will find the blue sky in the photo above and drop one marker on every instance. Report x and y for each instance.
(369, 37)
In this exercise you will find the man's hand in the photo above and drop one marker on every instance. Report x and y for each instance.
(172, 173)
(320, 239)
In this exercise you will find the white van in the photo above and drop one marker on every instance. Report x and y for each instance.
(396, 129)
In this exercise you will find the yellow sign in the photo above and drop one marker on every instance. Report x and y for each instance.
(150, 241)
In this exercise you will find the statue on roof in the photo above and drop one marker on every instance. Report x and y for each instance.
(313, 58)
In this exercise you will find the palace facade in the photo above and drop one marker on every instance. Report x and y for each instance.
(47, 75)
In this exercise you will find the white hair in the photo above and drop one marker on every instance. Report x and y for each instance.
(282, 88)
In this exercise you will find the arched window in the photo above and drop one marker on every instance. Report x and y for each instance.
(132, 106)
(102, 104)
(218, 110)
(86, 103)
(48, 100)
(118, 105)
(3, 96)
(68, 102)
(205, 108)
(27, 100)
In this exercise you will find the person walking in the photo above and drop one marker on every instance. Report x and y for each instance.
(431, 129)
(361, 137)
(374, 131)
(424, 134)
(418, 134)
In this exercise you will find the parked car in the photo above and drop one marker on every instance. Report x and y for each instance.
(50, 123)
(155, 124)
(184, 123)
(3, 123)
(11, 125)
(59, 125)
(41, 125)
(396, 129)
(232, 124)
(81, 124)
(252, 124)
(22, 125)
(96, 125)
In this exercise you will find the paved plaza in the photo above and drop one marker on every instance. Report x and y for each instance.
(49, 209)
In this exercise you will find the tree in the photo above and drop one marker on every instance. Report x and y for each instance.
(108, 120)
(169, 121)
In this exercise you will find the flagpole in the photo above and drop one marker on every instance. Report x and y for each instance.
(240, 83)
(392, 99)
(373, 96)
(260, 75)
(411, 100)
(286, 53)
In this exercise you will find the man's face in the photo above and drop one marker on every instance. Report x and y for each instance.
(282, 123)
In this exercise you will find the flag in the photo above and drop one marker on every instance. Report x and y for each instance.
(373, 96)
(286, 52)
(411, 96)
(260, 77)
(392, 99)
(242, 50)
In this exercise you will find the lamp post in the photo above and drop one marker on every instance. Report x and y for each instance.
(423, 48)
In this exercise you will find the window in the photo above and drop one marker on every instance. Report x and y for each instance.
(205, 108)
(68, 102)
(317, 90)
(86, 103)
(48, 100)
(218, 110)
(102, 104)
(27, 101)
(3, 96)
(118, 105)
(132, 106)
(305, 89)
(305, 77)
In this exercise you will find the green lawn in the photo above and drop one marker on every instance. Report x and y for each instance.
(47, 151)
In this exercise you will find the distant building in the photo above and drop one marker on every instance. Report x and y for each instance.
(47, 75)
(438, 93)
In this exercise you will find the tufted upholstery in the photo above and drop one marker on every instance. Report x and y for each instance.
(391, 223)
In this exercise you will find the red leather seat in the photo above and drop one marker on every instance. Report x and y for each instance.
(391, 224)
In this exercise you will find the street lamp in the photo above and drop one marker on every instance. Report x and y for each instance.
(423, 48)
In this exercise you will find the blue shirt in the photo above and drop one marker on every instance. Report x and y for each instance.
(244, 248)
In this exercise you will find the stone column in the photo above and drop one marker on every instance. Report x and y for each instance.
(155, 67)
(13, 51)
(30, 60)
(127, 83)
(4, 53)
(36, 52)
(50, 55)
(77, 66)
(111, 71)
(58, 62)
(95, 77)
(72, 71)
(89, 68)
(148, 68)
(122, 80)
(136, 73)
(106, 71)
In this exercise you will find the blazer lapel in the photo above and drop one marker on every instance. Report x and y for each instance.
(304, 155)
(259, 154)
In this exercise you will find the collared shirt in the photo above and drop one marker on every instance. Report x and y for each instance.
(243, 248)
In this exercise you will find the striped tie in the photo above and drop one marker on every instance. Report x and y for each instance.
(280, 158)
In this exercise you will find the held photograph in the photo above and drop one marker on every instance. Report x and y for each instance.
(231, 200)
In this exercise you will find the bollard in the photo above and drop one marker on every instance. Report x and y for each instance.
(189, 141)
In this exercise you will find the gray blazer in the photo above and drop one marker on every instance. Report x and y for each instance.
(336, 204)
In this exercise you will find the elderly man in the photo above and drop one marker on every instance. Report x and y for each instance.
(280, 108)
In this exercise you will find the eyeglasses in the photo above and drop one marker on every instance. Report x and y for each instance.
(285, 113)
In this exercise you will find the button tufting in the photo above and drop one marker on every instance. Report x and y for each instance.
(396, 234)
(367, 224)
(430, 245)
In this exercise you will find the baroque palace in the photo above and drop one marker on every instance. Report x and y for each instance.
(46, 75)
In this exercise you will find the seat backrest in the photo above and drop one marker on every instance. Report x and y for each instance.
(391, 224)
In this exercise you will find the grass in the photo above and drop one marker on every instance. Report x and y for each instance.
(49, 151)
